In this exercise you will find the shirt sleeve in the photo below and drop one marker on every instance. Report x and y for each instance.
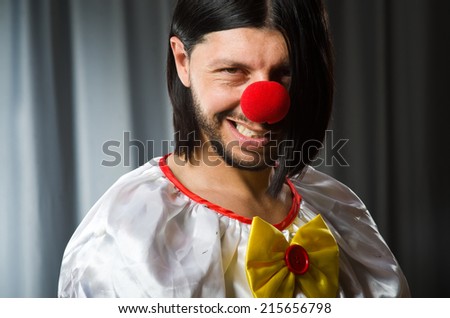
(367, 266)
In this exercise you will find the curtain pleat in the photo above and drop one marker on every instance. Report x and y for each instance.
(392, 78)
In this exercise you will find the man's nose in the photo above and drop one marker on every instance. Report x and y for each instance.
(265, 102)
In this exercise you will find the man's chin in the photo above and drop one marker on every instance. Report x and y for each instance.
(243, 159)
(246, 163)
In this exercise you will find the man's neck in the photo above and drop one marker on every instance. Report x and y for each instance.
(242, 191)
(214, 172)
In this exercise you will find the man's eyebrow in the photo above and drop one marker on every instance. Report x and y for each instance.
(226, 62)
(232, 63)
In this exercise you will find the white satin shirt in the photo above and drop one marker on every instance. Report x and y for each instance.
(147, 236)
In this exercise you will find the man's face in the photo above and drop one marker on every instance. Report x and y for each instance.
(220, 69)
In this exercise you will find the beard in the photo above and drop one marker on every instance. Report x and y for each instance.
(233, 154)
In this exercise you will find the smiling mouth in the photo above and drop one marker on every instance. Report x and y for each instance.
(247, 132)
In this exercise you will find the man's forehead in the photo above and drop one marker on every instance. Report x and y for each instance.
(245, 44)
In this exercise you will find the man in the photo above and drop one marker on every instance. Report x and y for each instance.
(236, 211)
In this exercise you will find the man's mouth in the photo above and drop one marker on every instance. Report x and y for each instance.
(248, 136)
(247, 132)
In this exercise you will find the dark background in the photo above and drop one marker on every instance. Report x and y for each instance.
(392, 82)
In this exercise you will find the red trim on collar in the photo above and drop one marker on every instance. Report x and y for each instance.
(293, 212)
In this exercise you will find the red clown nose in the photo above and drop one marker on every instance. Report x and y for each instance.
(265, 102)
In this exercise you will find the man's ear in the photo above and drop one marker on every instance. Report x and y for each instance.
(181, 60)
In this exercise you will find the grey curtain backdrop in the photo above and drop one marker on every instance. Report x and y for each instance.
(83, 101)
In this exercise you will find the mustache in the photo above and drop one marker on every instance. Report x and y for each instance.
(229, 114)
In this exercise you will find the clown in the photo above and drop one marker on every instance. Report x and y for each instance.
(236, 210)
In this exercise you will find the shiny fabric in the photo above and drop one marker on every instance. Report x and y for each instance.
(267, 270)
(146, 238)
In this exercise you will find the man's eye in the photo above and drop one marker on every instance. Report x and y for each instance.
(231, 70)
(282, 74)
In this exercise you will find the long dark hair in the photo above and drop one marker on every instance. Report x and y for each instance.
(304, 25)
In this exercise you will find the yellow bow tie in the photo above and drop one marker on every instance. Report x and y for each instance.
(275, 267)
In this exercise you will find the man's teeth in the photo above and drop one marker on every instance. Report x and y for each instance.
(247, 132)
